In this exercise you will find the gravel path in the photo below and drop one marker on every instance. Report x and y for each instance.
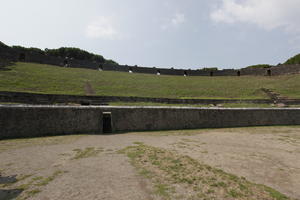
(90, 167)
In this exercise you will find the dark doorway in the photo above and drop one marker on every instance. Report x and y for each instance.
(66, 63)
(107, 125)
(100, 67)
(211, 74)
(269, 72)
(238, 73)
(22, 57)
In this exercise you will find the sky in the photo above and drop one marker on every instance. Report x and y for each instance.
(188, 34)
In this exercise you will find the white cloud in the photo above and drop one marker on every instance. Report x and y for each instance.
(267, 14)
(175, 21)
(102, 28)
(178, 19)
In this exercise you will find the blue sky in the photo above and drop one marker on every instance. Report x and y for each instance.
(162, 33)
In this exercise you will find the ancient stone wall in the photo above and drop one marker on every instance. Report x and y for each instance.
(28, 121)
(18, 55)
(33, 121)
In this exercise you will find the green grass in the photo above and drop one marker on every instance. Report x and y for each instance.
(28, 77)
(86, 153)
(47, 180)
(173, 175)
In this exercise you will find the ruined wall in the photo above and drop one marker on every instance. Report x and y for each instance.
(17, 55)
(28, 121)
(33, 121)
(285, 69)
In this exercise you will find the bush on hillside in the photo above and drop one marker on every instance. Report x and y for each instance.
(74, 53)
(29, 50)
(62, 52)
(2, 45)
(111, 62)
(293, 60)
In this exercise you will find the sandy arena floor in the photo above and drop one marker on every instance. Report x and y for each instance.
(89, 166)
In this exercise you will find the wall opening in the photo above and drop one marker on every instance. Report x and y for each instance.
(100, 67)
(107, 123)
(22, 57)
(185, 73)
(211, 73)
(269, 72)
(66, 63)
(238, 73)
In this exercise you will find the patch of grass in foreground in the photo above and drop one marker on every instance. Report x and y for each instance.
(175, 176)
(29, 77)
(87, 152)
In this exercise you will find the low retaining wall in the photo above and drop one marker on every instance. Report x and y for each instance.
(32, 121)
(33, 98)
(167, 118)
(28, 121)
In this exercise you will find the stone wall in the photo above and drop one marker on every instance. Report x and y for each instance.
(28, 121)
(166, 118)
(32, 98)
(33, 121)
(18, 55)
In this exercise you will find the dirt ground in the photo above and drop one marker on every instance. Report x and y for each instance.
(91, 167)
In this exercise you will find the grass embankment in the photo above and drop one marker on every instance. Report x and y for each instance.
(180, 177)
(28, 77)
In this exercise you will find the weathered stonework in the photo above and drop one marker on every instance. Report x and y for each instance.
(33, 121)
(8, 54)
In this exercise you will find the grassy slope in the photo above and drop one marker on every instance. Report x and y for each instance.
(50, 79)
